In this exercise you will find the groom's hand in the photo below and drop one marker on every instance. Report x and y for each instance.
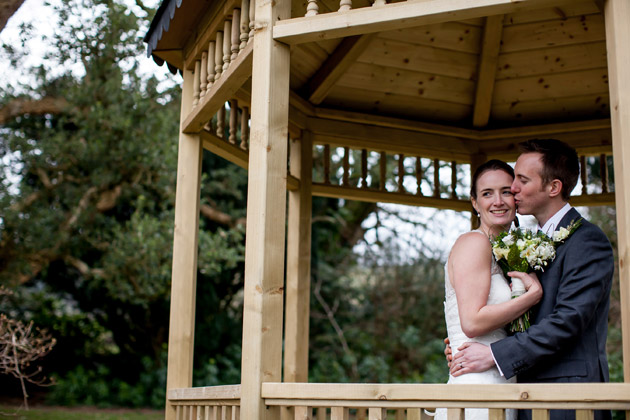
(472, 357)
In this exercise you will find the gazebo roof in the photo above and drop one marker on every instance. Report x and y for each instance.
(525, 68)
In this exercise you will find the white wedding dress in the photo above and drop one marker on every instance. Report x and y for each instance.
(499, 292)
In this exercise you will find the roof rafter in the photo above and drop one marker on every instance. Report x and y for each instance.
(488, 58)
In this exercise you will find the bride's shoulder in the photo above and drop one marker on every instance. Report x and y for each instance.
(473, 241)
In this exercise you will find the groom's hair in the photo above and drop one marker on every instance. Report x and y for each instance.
(560, 161)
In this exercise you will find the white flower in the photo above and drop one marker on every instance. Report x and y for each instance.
(508, 240)
(560, 235)
(521, 244)
(500, 253)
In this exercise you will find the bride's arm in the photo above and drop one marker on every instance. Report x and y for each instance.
(469, 272)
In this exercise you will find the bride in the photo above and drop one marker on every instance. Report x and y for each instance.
(478, 300)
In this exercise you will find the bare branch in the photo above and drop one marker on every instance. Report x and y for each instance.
(220, 217)
(22, 106)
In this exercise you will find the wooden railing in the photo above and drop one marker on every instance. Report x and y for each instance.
(403, 401)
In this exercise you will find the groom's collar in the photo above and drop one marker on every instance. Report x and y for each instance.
(554, 221)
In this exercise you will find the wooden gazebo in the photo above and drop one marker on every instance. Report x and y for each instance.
(276, 84)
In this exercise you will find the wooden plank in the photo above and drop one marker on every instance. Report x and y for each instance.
(223, 89)
(449, 36)
(394, 105)
(223, 392)
(303, 413)
(595, 106)
(618, 36)
(224, 149)
(455, 413)
(487, 69)
(395, 16)
(298, 262)
(584, 414)
(339, 413)
(552, 86)
(571, 394)
(496, 414)
(335, 66)
(306, 59)
(420, 58)
(414, 414)
(377, 196)
(563, 12)
(185, 249)
(552, 60)
(266, 207)
(377, 414)
(538, 414)
(574, 30)
(360, 136)
(389, 80)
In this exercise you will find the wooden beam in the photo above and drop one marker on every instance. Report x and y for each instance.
(298, 278)
(185, 249)
(336, 65)
(391, 140)
(266, 212)
(567, 395)
(395, 16)
(221, 91)
(606, 199)
(378, 196)
(617, 16)
(222, 148)
(490, 46)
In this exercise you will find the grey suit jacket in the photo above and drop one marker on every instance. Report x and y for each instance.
(567, 339)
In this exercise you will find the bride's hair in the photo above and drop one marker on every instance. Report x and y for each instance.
(491, 165)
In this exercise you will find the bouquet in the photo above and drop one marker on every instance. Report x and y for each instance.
(525, 251)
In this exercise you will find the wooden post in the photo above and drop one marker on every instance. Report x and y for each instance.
(298, 264)
(185, 236)
(617, 16)
(266, 208)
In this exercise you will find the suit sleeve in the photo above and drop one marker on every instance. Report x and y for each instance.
(586, 274)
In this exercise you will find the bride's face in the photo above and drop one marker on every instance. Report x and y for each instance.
(495, 201)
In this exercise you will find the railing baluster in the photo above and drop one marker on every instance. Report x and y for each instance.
(312, 9)
(414, 414)
(196, 83)
(453, 179)
(436, 178)
(400, 414)
(496, 414)
(216, 413)
(326, 164)
(244, 127)
(419, 176)
(377, 413)
(206, 412)
(455, 414)
(540, 414)
(383, 170)
(401, 173)
(227, 41)
(178, 412)
(362, 412)
(252, 22)
(321, 413)
(226, 412)
(191, 412)
(603, 171)
(303, 413)
(218, 56)
(211, 64)
(339, 413)
(203, 76)
(584, 414)
(244, 35)
(236, 412)
(236, 33)
(345, 5)
(583, 176)
(379, 3)
(221, 122)
(346, 166)
(233, 120)
(364, 168)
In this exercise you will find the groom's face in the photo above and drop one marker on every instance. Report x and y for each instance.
(528, 189)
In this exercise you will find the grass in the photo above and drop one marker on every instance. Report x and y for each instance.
(79, 413)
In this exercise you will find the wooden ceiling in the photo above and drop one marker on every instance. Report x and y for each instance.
(527, 68)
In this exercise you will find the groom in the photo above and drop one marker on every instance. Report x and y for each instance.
(566, 342)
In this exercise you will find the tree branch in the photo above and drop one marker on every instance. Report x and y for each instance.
(21, 106)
